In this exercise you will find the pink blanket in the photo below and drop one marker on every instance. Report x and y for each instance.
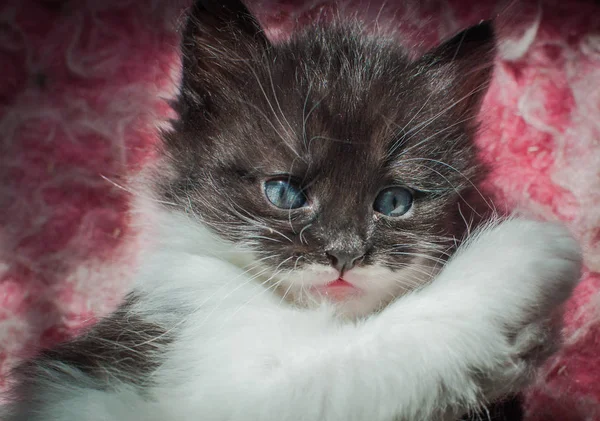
(85, 84)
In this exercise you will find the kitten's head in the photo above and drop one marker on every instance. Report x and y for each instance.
(335, 159)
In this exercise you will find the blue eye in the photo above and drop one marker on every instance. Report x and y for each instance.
(393, 201)
(284, 194)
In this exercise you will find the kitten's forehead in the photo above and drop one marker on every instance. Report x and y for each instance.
(312, 103)
(320, 113)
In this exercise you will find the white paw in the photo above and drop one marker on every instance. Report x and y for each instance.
(525, 266)
(518, 272)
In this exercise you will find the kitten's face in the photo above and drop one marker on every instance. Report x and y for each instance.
(333, 158)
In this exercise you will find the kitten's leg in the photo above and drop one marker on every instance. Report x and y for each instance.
(435, 351)
(430, 355)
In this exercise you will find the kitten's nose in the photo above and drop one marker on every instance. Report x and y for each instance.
(344, 261)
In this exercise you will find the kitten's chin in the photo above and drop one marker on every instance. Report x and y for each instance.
(361, 291)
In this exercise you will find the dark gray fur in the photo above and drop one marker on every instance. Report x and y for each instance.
(123, 348)
(342, 112)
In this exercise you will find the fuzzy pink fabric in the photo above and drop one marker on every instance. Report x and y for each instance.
(84, 85)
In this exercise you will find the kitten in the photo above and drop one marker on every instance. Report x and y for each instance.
(303, 212)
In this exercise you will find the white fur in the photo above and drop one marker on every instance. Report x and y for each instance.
(244, 354)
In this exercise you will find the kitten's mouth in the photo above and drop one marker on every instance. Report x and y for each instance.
(338, 290)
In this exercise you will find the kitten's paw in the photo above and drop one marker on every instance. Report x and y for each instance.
(528, 348)
(524, 268)
(518, 272)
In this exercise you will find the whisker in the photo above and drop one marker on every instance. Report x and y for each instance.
(428, 138)
(413, 267)
(262, 89)
(291, 284)
(304, 118)
(302, 232)
(397, 144)
(278, 104)
(276, 272)
(486, 201)
(425, 124)
(262, 237)
(128, 190)
(210, 297)
(420, 255)
(456, 190)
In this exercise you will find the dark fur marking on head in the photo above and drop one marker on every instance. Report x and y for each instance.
(346, 113)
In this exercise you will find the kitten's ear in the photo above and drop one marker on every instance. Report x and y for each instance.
(224, 19)
(219, 34)
(461, 68)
